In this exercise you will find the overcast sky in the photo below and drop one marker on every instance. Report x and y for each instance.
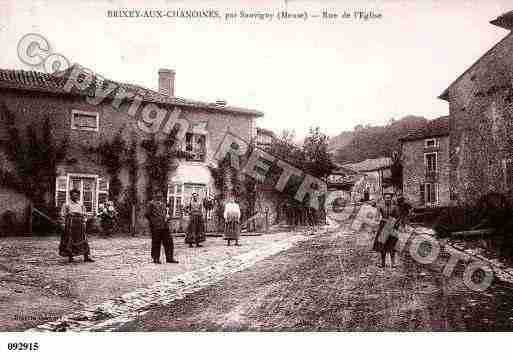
(334, 74)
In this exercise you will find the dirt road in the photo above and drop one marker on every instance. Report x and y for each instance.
(332, 283)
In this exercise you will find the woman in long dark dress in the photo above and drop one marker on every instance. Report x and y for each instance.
(232, 221)
(389, 211)
(74, 239)
(196, 228)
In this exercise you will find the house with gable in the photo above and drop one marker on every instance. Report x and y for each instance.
(77, 115)
(481, 123)
(425, 165)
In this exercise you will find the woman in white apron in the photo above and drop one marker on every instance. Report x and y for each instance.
(232, 221)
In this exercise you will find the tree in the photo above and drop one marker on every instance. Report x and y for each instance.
(318, 161)
(312, 158)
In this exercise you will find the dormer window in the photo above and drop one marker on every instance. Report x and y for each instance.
(86, 121)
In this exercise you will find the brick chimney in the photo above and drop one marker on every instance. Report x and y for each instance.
(167, 82)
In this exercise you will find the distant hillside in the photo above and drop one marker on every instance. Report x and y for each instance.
(340, 141)
(373, 141)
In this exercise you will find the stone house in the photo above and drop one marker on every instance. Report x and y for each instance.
(481, 123)
(82, 111)
(425, 161)
(375, 174)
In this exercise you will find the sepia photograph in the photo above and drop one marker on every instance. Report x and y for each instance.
(292, 170)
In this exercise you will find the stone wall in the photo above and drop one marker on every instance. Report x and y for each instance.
(414, 173)
(481, 126)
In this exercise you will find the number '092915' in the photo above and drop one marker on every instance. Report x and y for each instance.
(23, 346)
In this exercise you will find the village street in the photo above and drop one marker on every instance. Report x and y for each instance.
(331, 282)
(280, 281)
(38, 286)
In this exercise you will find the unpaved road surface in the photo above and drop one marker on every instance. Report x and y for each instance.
(332, 283)
(38, 286)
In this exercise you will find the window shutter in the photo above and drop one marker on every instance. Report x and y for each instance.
(436, 193)
(422, 196)
(103, 190)
(61, 190)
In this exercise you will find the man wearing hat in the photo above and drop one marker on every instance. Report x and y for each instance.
(157, 216)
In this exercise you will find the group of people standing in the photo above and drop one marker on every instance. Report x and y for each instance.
(74, 238)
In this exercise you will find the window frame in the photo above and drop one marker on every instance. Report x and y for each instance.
(197, 129)
(427, 193)
(85, 113)
(174, 195)
(96, 192)
(193, 134)
(426, 162)
(435, 142)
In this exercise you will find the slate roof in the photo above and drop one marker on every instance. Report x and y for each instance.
(369, 165)
(54, 83)
(438, 127)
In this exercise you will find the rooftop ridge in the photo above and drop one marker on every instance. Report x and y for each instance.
(31, 80)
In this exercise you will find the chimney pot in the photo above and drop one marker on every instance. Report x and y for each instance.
(167, 82)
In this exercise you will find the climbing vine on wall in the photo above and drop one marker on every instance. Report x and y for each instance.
(133, 170)
(230, 181)
(160, 159)
(34, 159)
(111, 154)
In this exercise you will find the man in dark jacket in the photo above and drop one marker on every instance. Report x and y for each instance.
(157, 215)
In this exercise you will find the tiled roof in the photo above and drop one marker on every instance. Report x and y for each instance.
(371, 164)
(435, 128)
(42, 82)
